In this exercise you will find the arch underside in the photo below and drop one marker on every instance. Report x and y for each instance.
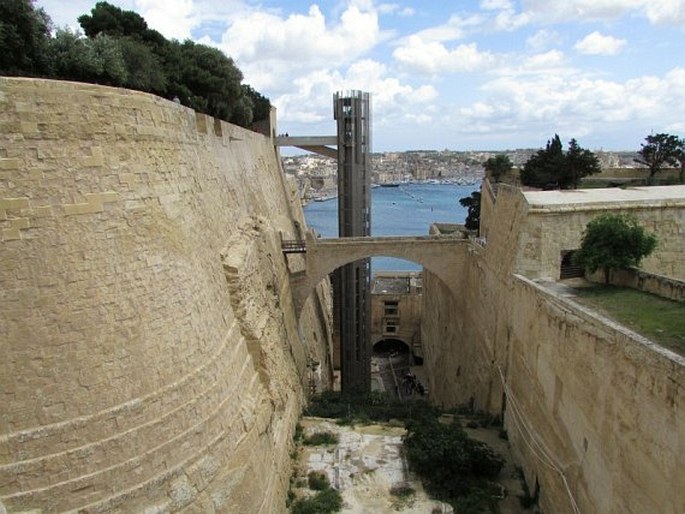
(442, 259)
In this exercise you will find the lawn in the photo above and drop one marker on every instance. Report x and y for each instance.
(656, 318)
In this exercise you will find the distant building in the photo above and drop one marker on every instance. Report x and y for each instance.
(396, 312)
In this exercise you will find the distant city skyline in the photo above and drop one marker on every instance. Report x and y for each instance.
(471, 75)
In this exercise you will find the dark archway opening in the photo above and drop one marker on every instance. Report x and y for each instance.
(568, 268)
(390, 346)
(391, 360)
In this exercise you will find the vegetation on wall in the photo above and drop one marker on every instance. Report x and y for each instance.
(119, 49)
(472, 204)
(612, 241)
(552, 168)
(498, 166)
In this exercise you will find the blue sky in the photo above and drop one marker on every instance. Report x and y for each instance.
(462, 75)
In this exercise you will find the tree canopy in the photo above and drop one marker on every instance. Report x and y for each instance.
(613, 241)
(121, 50)
(498, 166)
(552, 168)
(661, 150)
(24, 33)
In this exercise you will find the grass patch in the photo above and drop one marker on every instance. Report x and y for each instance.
(658, 319)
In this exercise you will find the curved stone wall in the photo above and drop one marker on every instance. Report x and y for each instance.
(151, 357)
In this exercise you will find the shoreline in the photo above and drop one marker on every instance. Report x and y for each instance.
(332, 194)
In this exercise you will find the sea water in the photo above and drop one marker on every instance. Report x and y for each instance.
(405, 210)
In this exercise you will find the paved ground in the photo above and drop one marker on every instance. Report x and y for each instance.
(367, 463)
(364, 467)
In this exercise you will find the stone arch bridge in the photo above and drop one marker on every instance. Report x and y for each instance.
(444, 256)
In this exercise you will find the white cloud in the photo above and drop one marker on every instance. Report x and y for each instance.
(543, 39)
(598, 44)
(491, 5)
(455, 28)
(656, 11)
(550, 59)
(302, 38)
(667, 12)
(170, 17)
(396, 9)
(434, 57)
(309, 97)
(577, 105)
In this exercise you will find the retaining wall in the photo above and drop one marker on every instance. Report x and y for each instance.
(151, 355)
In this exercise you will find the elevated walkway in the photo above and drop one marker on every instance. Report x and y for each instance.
(315, 144)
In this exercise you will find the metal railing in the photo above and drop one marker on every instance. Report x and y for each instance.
(294, 246)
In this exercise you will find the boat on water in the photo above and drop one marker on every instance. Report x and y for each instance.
(391, 184)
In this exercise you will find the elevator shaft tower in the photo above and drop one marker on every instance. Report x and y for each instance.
(352, 111)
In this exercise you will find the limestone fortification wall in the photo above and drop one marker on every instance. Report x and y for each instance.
(151, 358)
(595, 405)
(593, 412)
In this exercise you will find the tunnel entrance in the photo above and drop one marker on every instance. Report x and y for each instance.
(390, 346)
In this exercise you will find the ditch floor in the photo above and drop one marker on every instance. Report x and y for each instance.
(367, 464)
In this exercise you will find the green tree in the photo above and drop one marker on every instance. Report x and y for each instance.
(578, 163)
(498, 166)
(680, 157)
(24, 35)
(472, 204)
(551, 168)
(145, 71)
(98, 60)
(659, 151)
(206, 80)
(108, 19)
(261, 106)
(613, 241)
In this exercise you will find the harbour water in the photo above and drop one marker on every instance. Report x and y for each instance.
(405, 210)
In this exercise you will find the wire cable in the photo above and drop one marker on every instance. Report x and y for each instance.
(536, 443)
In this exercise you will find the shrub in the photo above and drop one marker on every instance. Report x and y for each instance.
(320, 438)
(402, 490)
(322, 502)
(318, 480)
(372, 407)
(451, 465)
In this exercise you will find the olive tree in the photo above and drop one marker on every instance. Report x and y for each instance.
(613, 241)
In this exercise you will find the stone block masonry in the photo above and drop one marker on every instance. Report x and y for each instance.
(139, 372)
(593, 412)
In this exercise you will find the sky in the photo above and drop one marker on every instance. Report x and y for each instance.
(458, 75)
